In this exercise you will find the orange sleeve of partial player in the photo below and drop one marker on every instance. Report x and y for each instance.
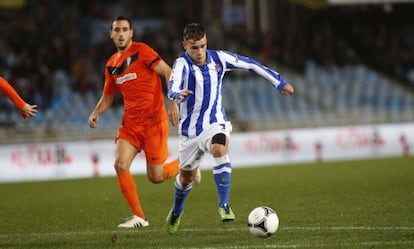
(109, 86)
(9, 91)
(149, 56)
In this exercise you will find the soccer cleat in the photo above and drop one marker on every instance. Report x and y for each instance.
(134, 222)
(173, 222)
(197, 178)
(226, 214)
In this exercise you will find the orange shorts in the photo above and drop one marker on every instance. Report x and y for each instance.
(151, 138)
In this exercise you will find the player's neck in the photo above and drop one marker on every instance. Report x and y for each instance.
(122, 50)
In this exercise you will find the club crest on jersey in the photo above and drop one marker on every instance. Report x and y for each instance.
(218, 68)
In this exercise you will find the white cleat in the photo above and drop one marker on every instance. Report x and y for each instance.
(134, 222)
(197, 178)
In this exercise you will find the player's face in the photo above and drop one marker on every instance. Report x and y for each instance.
(121, 34)
(197, 50)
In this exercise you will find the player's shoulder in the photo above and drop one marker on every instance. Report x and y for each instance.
(141, 46)
(225, 53)
(138, 47)
(111, 60)
(181, 59)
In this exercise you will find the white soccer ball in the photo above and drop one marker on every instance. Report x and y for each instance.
(263, 221)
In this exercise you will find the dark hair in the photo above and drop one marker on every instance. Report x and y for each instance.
(122, 18)
(193, 31)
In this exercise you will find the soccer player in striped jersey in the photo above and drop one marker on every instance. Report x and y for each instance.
(196, 83)
(25, 110)
(134, 70)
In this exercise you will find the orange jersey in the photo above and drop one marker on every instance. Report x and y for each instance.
(132, 73)
(9, 91)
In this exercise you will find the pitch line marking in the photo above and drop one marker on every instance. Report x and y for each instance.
(157, 230)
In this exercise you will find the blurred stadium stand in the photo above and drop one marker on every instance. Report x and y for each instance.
(349, 64)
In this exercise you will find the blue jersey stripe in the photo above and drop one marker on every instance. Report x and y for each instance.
(206, 98)
(191, 99)
(219, 67)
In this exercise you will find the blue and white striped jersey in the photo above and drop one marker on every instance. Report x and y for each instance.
(204, 107)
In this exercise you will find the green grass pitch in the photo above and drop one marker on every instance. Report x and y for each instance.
(352, 204)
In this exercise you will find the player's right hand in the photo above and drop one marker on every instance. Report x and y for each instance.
(93, 120)
(173, 112)
(28, 111)
(183, 95)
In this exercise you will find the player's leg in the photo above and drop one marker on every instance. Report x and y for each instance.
(156, 152)
(222, 174)
(190, 157)
(158, 173)
(125, 153)
(182, 187)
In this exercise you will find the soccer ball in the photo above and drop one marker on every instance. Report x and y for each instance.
(263, 221)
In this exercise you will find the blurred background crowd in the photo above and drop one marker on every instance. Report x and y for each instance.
(350, 64)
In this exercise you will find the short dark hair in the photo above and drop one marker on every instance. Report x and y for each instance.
(122, 18)
(193, 31)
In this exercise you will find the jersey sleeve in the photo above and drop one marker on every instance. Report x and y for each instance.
(234, 61)
(110, 86)
(149, 56)
(176, 79)
(9, 91)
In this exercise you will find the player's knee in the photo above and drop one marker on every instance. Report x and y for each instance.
(218, 145)
(121, 166)
(186, 178)
(156, 178)
(218, 150)
(155, 173)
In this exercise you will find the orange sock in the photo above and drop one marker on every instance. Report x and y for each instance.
(129, 190)
(171, 169)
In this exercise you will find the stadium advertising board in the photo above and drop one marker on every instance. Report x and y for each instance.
(45, 161)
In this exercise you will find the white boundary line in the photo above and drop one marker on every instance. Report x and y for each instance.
(157, 230)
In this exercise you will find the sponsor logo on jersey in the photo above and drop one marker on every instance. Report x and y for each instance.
(125, 78)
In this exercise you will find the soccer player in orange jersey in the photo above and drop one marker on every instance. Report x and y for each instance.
(25, 110)
(134, 71)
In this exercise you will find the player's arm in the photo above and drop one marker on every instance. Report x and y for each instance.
(246, 63)
(25, 110)
(103, 104)
(164, 70)
(176, 91)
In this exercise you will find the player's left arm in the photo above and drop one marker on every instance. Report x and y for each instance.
(163, 69)
(26, 110)
(245, 63)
